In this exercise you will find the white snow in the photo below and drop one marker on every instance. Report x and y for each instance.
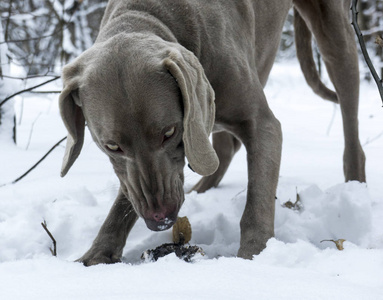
(295, 264)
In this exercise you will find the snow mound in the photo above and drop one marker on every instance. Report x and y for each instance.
(341, 212)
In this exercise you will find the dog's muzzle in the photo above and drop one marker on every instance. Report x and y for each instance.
(159, 221)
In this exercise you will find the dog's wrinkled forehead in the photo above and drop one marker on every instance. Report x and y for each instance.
(119, 90)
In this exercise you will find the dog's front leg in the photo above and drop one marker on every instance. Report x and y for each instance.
(262, 138)
(110, 241)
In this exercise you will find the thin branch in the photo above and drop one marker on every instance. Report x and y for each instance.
(64, 22)
(41, 159)
(28, 77)
(36, 164)
(28, 90)
(338, 243)
(8, 21)
(52, 9)
(32, 38)
(31, 131)
(45, 92)
(74, 7)
(21, 15)
(373, 139)
(363, 47)
(54, 250)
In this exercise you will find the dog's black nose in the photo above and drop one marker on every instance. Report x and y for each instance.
(159, 221)
(159, 217)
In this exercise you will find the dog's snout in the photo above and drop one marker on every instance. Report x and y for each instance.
(160, 220)
(159, 217)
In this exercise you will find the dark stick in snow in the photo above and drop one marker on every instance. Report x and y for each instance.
(54, 250)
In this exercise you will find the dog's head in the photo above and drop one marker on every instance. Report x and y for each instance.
(147, 104)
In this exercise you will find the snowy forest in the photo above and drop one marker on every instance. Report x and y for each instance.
(315, 209)
(39, 37)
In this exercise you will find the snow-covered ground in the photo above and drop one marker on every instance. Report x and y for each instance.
(295, 264)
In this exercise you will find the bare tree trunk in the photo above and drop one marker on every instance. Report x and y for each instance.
(7, 113)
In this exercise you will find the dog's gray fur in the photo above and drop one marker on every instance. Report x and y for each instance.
(199, 66)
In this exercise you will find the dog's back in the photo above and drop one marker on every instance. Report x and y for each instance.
(215, 31)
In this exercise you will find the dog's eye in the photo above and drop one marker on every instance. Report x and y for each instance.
(170, 132)
(113, 147)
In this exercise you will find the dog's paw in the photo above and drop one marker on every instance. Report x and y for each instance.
(245, 253)
(251, 248)
(206, 183)
(95, 257)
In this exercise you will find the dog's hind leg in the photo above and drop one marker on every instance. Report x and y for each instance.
(330, 24)
(225, 145)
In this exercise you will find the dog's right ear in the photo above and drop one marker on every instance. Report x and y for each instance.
(199, 109)
(72, 115)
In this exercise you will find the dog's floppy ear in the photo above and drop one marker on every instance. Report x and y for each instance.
(72, 116)
(199, 109)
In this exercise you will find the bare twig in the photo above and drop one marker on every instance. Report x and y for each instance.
(297, 205)
(52, 9)
(74, 7)
(45, 92)
(338, 243)
(36, 164)
(41, 159)
(8, 21)
(373, 139)
(33, 38)
(31, 131)
(58, 31)
(54, 250)
(28, 77)
(239, 193)
(363, 47)
(28, 90)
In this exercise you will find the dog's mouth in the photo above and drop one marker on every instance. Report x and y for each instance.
(160, 226)
(159, 214)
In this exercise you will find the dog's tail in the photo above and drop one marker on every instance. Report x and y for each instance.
(305, 56)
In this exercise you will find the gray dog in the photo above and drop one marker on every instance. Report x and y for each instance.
(162, 75)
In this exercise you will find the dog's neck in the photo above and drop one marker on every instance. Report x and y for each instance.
(132, 16)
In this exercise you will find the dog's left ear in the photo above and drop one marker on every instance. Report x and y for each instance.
(199, 109)
(72, 115)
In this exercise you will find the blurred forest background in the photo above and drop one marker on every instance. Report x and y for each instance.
(40, 36)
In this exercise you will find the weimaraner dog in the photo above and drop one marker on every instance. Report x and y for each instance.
(163, 75)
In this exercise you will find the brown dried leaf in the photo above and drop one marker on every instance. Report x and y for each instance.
(297, 205)
(379, 41)
(338, 243)
(182, 231)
